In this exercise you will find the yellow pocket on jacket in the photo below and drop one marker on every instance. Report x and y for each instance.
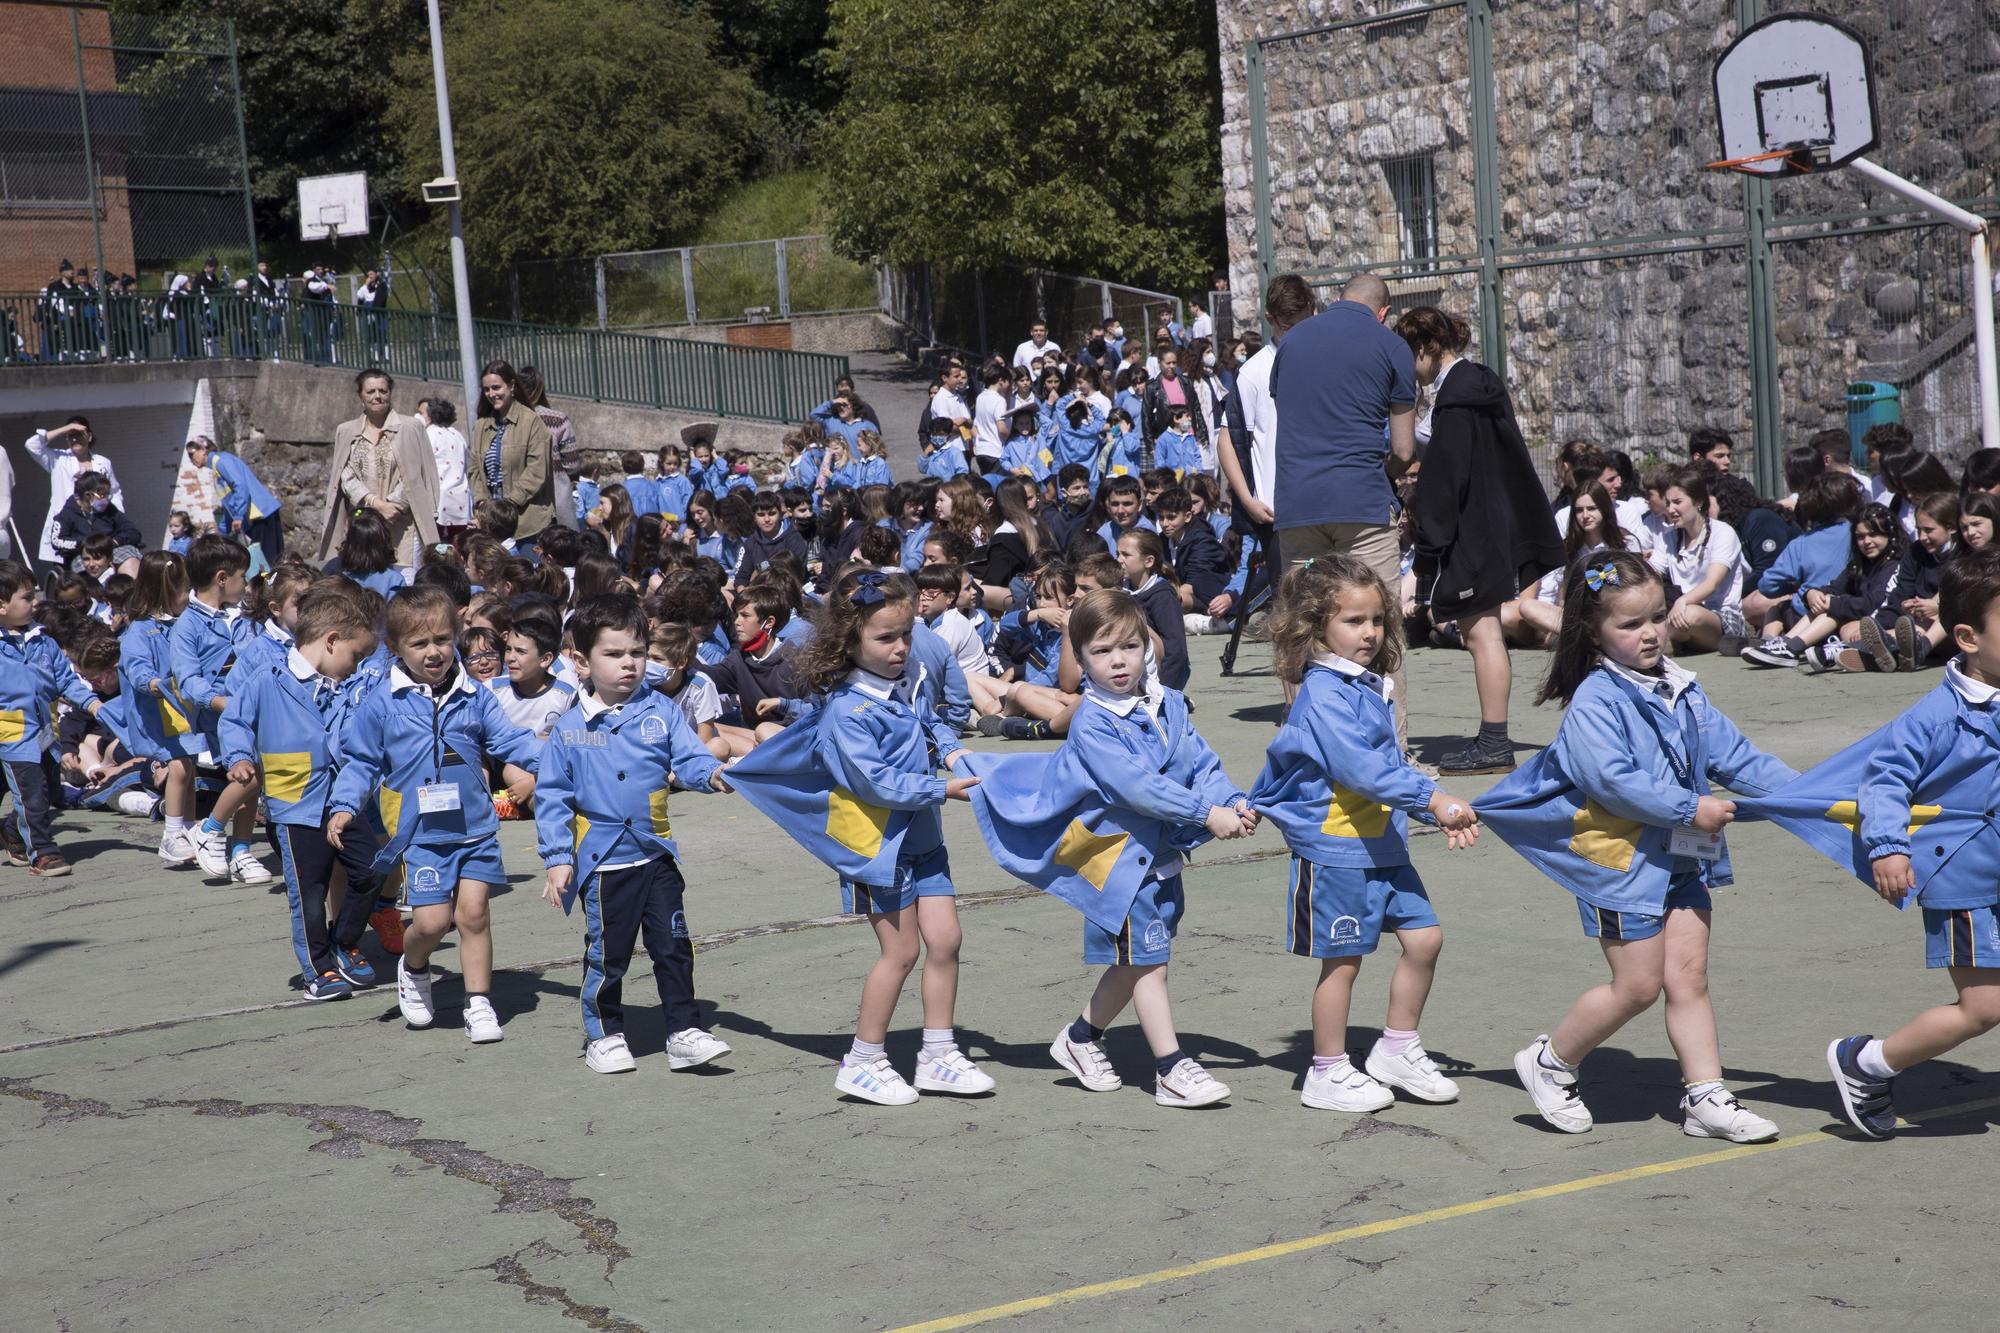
(1352, 815)
(286, 775)
(171, 720)
(1090, 855)
(1604, 839)
(656, 805)
(855, 824)
(390, 803)
(13, 726)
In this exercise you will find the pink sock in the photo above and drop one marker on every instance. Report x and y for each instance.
(1324, 1063)
(1395, 1040)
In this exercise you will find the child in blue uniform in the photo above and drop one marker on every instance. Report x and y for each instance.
(601, 822)
(1618, 810)
(944, 450)
(201, 647)
(882, 747)
(1132, 746)
(158, 726)
(33, 672)
(1177, 448)
(1942, 753)
(1336, 785)
(417, 747)
(368, 555)
(286, 718)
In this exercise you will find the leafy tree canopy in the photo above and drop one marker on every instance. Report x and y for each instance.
(1066, 133)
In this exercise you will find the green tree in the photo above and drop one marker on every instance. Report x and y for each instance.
(582, 126)
(1068, 133)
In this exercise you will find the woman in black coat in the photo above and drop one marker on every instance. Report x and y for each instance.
(1482, 521)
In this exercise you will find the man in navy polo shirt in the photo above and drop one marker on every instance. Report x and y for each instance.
(1345, 386)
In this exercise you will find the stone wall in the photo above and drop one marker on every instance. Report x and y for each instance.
(1604, 121)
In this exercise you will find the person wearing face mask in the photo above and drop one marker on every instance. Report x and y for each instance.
(89, 512)
(1170, 390)
(66, 453)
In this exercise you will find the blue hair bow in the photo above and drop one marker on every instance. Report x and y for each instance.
(1598, 579)
(868, 588)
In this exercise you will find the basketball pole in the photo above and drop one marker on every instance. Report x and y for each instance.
(1982, 285)
(468, 352)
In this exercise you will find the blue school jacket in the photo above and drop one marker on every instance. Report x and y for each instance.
(945, 461)
(587, 493)
(712, 478)
(671, 493)
(859, 472)
(1123, 460)
(399, 739)
(803, 474)
(1815, 560)
(829, 419)
(721, 548)
(384, 583)
(1943, 751)
(243, 496)
(1335, 783)
(278, 721)
(1593, 810)
(200, 647)
(883, 756)
(1179, 451)
(1036, 646)
(1027, 456)
(33, 672)
(642, 493)
(1109, 532)
(601, 792)
(158, 724)
(272, 643)
(1077, 444)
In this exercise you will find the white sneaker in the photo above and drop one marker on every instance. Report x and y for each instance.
(413, 997)
(1344, 1088)
(609, 1055)
(140, 803)
(1720, 1116)
(175, 850)
(1087, 1060)
(211, 851)
(1553, 1090)
(245, 868)
(1413, 1071)
(481, 1023)
(692, 1046)
(1188, 1084)
(952, 1072)
(1197, 623)
(874, 1081)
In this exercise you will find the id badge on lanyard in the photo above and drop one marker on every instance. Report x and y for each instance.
(437, 798)
(1688, 842)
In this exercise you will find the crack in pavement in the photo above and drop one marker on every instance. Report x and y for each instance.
(509, 1269)
(58, 1108)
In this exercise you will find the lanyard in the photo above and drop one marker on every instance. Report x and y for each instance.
(1683, 767)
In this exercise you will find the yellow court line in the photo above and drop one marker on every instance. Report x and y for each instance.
(1305, 1244)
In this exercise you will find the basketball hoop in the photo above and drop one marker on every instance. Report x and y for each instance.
(1799, 161)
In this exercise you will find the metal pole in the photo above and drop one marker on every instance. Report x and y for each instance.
(1486, 185)
(1260, 174)
(89, 157)
(1918, 195)
(468, 351)
(687, 284)
(243, 146)
(603, 306)
(784, 283)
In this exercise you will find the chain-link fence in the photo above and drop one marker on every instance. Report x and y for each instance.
(978, 311)
(700, 284)
(121, 144)
(1539, 169)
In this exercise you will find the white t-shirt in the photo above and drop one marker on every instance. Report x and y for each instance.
(1260, 414)
(945, 403)
(1203, 326)
(986, 416)
(700, 701)
(962, 636)
(536, 713)
(454, 492)
(1689, 565)
(1025, 354)
(1638, 538)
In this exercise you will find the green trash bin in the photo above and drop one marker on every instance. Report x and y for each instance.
(1870, 403)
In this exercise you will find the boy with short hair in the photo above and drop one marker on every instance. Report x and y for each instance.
(770, 533)
(499, 518)
(1939, 754)
(671, 652)
(201, 647)
(1071, 512)
(601, 816)
(287, 718)
(639, 488)
(938, 588)
(93, 557)
(758, 670)
(33, 672)
(1124, 509)
(529, 693)
(1199, 561)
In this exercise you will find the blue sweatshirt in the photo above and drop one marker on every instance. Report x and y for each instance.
(672, 491)
(243, 496)
(1123, 460)
(1156, 767)
(33, 673)
(1815, 560)
(601, 792)
(944, 461)
(157, 723)
(1036, 646)
(829, 420)
(859, 472)
(1026, 456)
(1942, 752)
(200, 647)
(642, 494)
(712, 477)
(883, 755)
(287, 719)
(1335, 783)
(401, 739)
(1179, 450)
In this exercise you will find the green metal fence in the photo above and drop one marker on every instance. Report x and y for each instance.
(1538, 168)
(635, 369)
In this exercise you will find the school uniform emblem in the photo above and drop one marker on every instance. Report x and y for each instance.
(1156, 935)
(652, 727)
(680, 925)
(426, 879)
(1345, 930)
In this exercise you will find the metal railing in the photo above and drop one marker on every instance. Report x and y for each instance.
(697, 284)
(632, 369)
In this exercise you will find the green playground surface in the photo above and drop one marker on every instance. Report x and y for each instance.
(185, 1145)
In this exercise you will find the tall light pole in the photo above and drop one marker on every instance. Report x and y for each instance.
(468, 353)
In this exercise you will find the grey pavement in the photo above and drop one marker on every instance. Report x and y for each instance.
(185, 1146)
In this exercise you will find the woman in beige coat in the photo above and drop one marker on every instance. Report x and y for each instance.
(382, 460)
(513, 455)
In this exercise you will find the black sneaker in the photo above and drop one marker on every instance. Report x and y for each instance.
(1875, 646)
(1867, 1103)
(1908, 643)
(990, 725)
(15, 850)
(1025, 729)
(1770, 653)
(1478, 757)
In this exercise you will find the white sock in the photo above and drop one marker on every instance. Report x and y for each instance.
(1697, 1091)
(1548, 1059)
(862, 1052)
(1873, 1063)
(177, 824)
(939, 1041)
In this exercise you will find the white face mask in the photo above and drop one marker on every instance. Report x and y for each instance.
(1208, 359)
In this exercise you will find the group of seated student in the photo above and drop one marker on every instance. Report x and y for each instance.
(1839, 575)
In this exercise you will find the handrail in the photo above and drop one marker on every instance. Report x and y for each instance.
(631, 369)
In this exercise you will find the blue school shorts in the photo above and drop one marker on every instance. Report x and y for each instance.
(923, 875)
(1962, 936)
(1601, 923)
(431, 874)
(1147, 937)
(1341, 911)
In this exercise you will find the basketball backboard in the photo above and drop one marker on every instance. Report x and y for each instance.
(1794, 94)
(331, 206)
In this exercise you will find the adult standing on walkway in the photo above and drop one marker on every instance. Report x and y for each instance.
(1342, 384)
(247, 503)
(1038, 344)
(513, 455)
(449, 449)
(65, 453)
(564, 450)
(382, 461)
(1482, 530)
